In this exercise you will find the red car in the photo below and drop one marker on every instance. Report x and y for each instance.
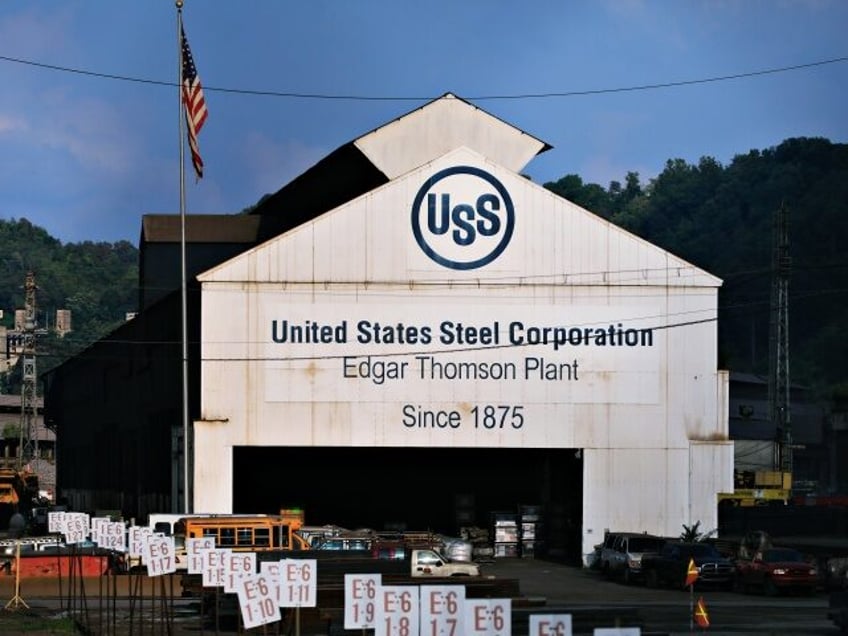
(777, 569)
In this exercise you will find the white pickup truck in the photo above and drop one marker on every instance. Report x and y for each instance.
(397, 557)
(426, 562)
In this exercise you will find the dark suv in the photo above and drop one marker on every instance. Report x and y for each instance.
(670, 566)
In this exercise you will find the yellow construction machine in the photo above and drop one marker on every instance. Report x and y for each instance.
(758, 488)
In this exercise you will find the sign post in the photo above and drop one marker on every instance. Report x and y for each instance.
(298, 586)
(17, 600)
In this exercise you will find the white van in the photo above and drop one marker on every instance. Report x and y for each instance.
(163, 522)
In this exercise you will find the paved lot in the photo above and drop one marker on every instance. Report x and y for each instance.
(545, 587)
(586, 594)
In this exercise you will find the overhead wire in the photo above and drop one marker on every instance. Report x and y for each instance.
(380, 354)
(395, 98)
(726, 307)
(574, 277)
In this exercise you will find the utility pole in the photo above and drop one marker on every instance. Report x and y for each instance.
(778, 385)
(28, 448)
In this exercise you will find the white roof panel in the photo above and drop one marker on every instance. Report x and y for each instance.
(441, 126)
(373, 238)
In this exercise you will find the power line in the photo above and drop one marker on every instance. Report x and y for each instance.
(379, 354)
(745, 305)
(387, 98)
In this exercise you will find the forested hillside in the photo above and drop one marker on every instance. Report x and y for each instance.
(717, 217)
(98, 282)
(721, 219)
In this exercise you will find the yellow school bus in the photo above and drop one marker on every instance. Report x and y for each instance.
(242, 532)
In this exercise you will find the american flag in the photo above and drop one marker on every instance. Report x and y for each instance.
(195, 104)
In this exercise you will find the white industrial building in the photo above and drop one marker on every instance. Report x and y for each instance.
(461, 310)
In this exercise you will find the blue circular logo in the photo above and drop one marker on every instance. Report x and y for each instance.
(463, 217)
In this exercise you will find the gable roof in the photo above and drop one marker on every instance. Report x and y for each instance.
(440, 126)
(373, 159)
(370, 238)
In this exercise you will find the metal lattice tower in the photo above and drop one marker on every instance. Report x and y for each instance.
(29, 440)
(778, 385)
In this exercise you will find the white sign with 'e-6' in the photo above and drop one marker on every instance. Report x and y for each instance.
(360, 610)
(550, 625)
(442, 610)
(257, 600)
(397, 610)
(298, 583)
(194, 551)
(488, 617)
(159, 555)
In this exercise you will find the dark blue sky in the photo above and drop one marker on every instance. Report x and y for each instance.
(85, 157)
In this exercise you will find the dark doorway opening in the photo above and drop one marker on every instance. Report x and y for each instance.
(437, 489)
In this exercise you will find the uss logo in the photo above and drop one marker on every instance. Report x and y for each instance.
(463, 217)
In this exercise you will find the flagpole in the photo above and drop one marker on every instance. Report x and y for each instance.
(186, 498)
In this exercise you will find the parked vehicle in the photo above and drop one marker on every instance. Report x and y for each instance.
(344, 543)
(758, 488)
(624, 558)
(19, 492)
(605, 550)
(669, 567)
(240, 533)
(775, 570)
(333, 565)
(28, 544)
(316, 534)
(414, 562)
(427, 562)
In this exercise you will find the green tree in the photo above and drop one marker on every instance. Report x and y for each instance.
(587, 195)
(96, 281)
(721, 219)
